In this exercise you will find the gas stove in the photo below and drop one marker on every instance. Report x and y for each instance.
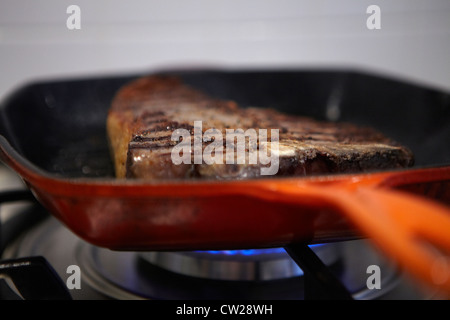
(42, 259)
(337, 270)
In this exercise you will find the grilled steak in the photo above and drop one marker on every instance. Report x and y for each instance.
(153, 116)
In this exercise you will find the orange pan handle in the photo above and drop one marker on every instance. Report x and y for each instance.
(410, 229)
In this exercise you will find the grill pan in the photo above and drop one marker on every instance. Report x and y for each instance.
(53, 135)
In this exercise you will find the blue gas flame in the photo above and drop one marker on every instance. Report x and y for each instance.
(251, 252)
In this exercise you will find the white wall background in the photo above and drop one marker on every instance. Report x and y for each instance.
(140, 35)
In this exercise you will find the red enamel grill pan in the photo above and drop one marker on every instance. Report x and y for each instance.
(53, 135)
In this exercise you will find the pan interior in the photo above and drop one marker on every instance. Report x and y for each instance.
(60, 126)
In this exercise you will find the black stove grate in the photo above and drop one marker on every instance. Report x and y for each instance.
(33, 277)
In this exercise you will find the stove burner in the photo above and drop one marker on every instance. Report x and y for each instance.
(238, 265)
(107, 274)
